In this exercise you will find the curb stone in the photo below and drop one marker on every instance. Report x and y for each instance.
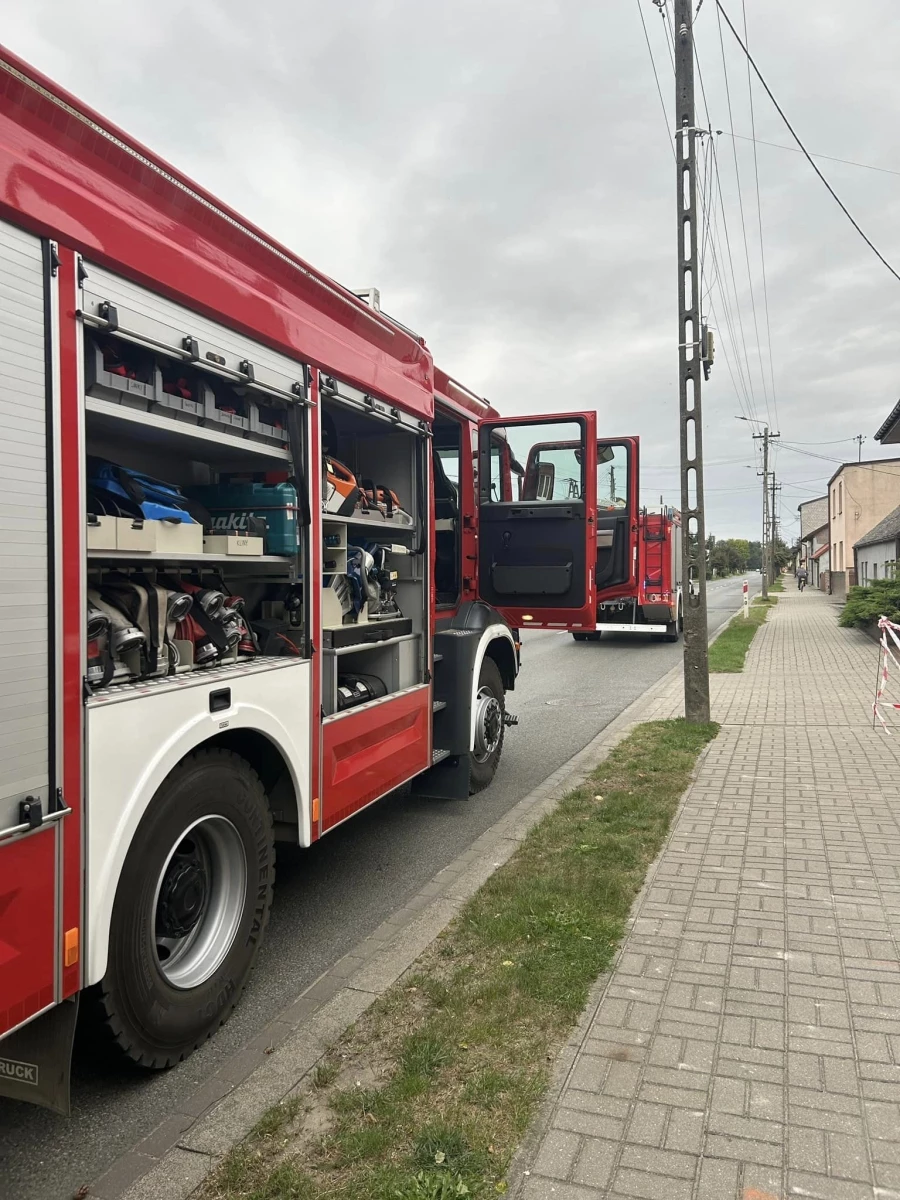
(172, 1162)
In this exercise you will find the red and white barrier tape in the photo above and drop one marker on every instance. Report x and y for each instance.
(888, 630)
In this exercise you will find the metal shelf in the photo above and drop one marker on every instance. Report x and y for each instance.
(369, 522)
(340, 651)
(137, 557)
(213, 446)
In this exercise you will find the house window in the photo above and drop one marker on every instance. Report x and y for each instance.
(841, 496)
(875, 570)
(865, 573)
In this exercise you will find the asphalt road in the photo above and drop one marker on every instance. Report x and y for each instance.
(329, 897)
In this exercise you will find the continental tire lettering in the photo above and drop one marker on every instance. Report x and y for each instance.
(21, 1072)
(214, 1006)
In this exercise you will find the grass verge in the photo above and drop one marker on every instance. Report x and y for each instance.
(777, 585)
(728, 652)
(427, 1097)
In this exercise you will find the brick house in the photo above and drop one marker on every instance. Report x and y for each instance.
(814, 540)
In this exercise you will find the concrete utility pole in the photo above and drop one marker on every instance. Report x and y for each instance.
(696, 646)
(773, 512)
(765, 545)
(859, 439)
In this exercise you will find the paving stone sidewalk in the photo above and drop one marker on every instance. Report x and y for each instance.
(747, 1044)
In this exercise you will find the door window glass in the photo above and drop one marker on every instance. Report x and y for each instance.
(450, 462)
(551, 452)
(612, 476)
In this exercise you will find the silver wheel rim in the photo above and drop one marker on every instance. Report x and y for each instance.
(199, 902)
(488, 724)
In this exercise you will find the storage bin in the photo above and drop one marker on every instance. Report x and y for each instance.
(98, 381)
(263, 427)
(220, 418)
(233, 543)
(230, 504)
(175, 404)
(134, 533)
(101, 532)
(178, 537)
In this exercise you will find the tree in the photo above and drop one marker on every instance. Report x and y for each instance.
(728, 557)
(754, 556)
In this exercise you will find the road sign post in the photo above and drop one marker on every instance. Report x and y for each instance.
(746, 591)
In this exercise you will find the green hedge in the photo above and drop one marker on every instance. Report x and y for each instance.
(866, 604)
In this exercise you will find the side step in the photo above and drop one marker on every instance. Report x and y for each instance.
(439, 756)
(438, 705)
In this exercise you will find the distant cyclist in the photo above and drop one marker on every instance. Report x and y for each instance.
(802, 576)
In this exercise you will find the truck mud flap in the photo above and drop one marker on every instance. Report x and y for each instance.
(449, 780)
(36, 1060)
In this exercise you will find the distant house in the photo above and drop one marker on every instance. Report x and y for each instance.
(814, 539)
(859, 496)
(878, 552)
(889, 433)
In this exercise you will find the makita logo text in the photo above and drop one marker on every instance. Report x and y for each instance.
(231, 521)
(21, 1072)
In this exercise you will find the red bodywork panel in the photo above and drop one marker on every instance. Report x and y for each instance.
(28, 915)
(655, 583)
(127, 209)
(368, 753)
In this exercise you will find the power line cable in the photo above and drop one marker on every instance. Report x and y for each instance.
(794, 150)
(740, 196)
(807, 154)
(656, 77)
(740, 320)
(841, 462)
(762, 251)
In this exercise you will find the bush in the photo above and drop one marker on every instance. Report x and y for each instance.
(866, 604)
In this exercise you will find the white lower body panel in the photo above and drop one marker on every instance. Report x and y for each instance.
(135, 735)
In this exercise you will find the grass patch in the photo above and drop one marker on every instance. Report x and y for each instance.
(728, 652)
(777, 585)
(440, 1078)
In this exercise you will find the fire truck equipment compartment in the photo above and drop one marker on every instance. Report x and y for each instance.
(231, 505)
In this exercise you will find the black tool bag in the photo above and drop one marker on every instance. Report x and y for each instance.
(353, 690)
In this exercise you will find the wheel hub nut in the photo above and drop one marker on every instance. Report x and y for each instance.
(181, 899)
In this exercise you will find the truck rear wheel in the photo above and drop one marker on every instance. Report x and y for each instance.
(490, 710)
(674, 628)
(191, 909)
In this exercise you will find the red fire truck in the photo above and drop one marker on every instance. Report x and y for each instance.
(639, 583)
(260, 564)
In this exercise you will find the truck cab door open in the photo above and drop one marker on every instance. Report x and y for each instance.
(537, 553)
(617, 509)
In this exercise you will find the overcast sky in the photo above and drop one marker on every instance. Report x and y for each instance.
(502, 171)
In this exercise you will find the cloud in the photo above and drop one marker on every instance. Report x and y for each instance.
(503, 173)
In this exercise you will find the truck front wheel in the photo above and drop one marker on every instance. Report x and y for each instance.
(190, 911)
(490, 711)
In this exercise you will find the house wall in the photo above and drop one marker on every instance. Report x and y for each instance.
(877, 562)
(813, 515)
(818, 571)
(859, 497)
